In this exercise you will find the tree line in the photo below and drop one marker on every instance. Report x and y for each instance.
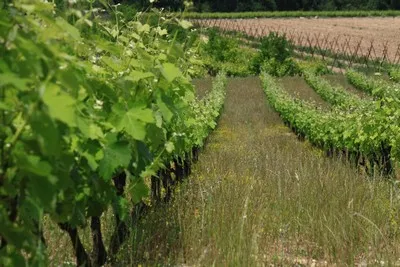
(268, 5)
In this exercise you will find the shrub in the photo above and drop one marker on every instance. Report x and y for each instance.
(394, 74)
(221, 48)
(318, 67)
(275, 56)
(224, 53)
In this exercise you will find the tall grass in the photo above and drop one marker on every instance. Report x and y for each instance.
(258, 196)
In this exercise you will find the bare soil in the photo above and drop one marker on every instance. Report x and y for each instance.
(375, 38)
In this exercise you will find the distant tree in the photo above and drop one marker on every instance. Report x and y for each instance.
(377, 4)
(255, 5)
(395, 4)
(167, 4)
(287, 4)
(310, 4)
(270, 5)
(170, 4)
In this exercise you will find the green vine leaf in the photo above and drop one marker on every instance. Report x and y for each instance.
(116, 155)
(61, 105)
(170, 72)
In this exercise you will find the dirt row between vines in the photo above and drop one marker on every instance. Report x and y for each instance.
(259, 197)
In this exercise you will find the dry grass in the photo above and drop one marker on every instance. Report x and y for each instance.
(202, 86)
(341, 80)
(259, 197)
(297, 87)
(59, 247)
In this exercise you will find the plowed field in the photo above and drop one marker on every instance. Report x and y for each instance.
(375, 38)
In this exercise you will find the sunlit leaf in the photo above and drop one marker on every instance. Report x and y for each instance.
(14, 80)
(170, 72)
(61, 105)
(134, 122)
(136, 76)
(68, 28)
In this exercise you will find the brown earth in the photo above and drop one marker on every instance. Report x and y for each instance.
(376, 38)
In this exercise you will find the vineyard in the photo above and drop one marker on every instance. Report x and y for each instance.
(153, 140)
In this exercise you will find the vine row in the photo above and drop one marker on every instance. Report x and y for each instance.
(366, 136)
(336, 96)
(374, 86)
(96, 114)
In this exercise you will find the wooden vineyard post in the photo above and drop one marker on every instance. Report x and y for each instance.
(334, 50)
(317, 44)
(346, 51)
(396, 58)
(384, 53)
(300, 39)
(324, 46)
(265, 31)
(369, 55)
(310, 46)
(355, 53)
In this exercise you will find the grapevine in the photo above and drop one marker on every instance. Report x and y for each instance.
(95, 114)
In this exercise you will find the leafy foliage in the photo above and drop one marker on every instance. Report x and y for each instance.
(336, 96)
(275, 56)
(375, 87)
(83, 102)
(222, 53)
(394, 74)
(368, 131)
(220, 48)
(317, 67)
